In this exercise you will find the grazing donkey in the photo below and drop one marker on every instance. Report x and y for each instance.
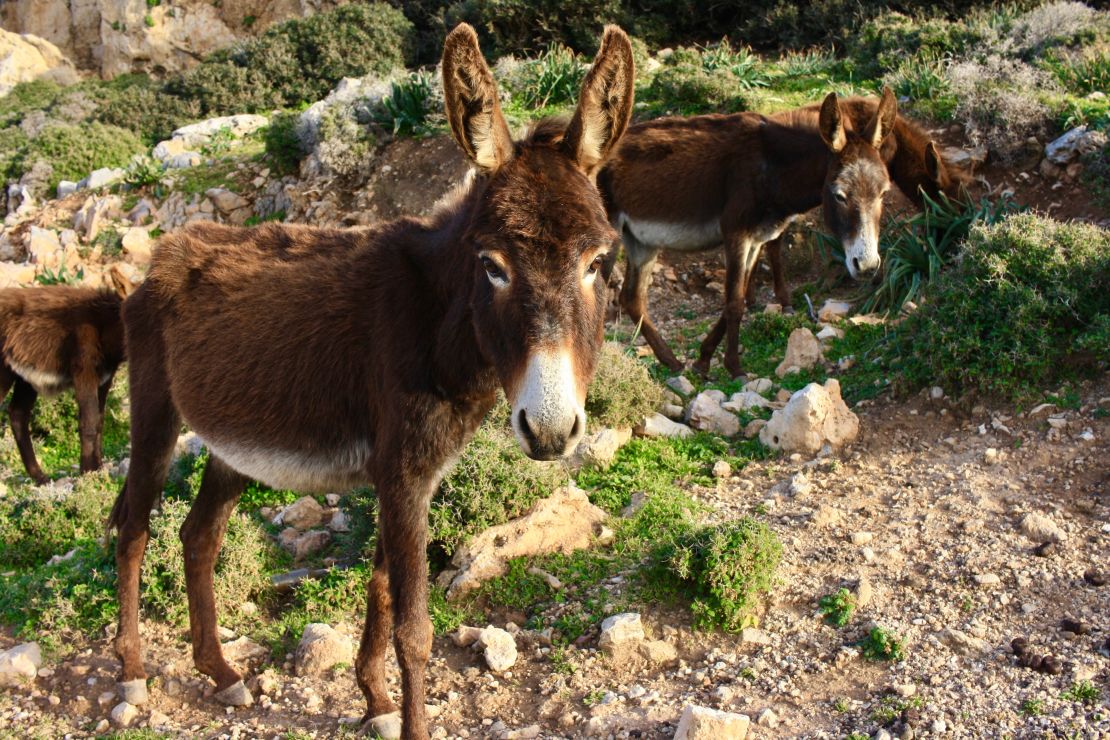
(54, 338)
(319, 359)
(695, 183)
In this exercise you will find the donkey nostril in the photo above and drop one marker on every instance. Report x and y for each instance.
(574, 430)
(855, 263)
(525, 427)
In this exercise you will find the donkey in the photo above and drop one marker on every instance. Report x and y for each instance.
(319, 359)
(54, 338)
(695, 183)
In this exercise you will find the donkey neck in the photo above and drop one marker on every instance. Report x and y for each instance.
(797, 161)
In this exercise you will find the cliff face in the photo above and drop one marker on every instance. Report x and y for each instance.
(112, 37)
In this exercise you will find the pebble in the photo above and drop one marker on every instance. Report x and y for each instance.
(862, 538)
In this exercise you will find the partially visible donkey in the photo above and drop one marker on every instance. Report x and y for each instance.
(322, 359)
(54, 338)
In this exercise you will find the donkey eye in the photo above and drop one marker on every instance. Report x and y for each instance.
(594, 266)
(840, 197)
(495, 273)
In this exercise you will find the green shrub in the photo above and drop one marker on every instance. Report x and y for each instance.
(76, 150)
(1083, 73)
(882, 644)
(1025, 307)
(552, 79)
(491, 483)
(140, 104)
(298, 61)
(622, 392)
(529, 26)
(890, 40)
(13, 147)
(48, 523)
(24, 98)
(723, 568)
(76, 597)
(837, 608)
(242, 570)
(409, 104)
(923, 81)
(694, 81)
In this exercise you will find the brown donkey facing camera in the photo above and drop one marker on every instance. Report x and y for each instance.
(54, 338)
(323, 359)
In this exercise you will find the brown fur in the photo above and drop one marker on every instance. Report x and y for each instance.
(752, 173)
(372, 354)
(52, 339)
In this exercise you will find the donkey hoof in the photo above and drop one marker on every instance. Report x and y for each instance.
(235, 695)
(133, 691)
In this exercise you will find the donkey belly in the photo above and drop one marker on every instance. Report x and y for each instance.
(677, 235)
(299, 470)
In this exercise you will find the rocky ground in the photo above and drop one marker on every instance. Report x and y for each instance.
(936, 520)
(956, 527)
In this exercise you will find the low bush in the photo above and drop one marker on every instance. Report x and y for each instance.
(552, 79)
(50, 603)
(888, 41)
(408, 106)
(622, 392)
(528, 27)
(246, 559)
(1055, 24)
(695, 80)
(882, 644)
(491, 483)
(723, 568)
(47, 522)
(1026, 306)
(73, 151)
(837, 608)
(139, 104)
(283, 147)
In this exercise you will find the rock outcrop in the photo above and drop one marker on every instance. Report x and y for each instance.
(813, 417)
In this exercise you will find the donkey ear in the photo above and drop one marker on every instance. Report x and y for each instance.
(472, 104)
(883, 122)
(934, 165)
(831, 124)
(121, 284)
(605, 103)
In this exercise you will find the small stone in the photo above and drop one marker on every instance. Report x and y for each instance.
(681, 385)
(1074, 626)
(321, 648)
(19, 665)
(705, 413)
(1094, 577)
(988, 579)
(498, 648)
(767, 718)
(158, 719)
(936, 393)
(800, 485)
(803, 351)
(386, 726)
(702, 723)
(754, 636)
(304, 513)
(658, 651)
(123, 714)
(833, 311)
(620, 629)
(861, 538)
(721, 469)
(1042, 529)
(658, 425)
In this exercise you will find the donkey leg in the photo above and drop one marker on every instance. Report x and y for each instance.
(709, 346)
(101, 402)
(86, 388)
(634, 298)
(202, 534)
(773, 250)
(23, 400)
(154, 426)
(370, 664)
(741, 265)
(404, 513)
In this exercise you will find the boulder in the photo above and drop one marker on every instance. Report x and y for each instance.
(706, 414)
(1074, 144)
(25, 57)
(745, 401)
(102, 178)
(321, 649)
(498, 648)
(803, 351)
(619, 630)
(681, 385)
(19, 665)
(658, 425)
(563, 522)
(166, 150)
(759, 385)
(304, 513)
(702, 723)
(44, 248)
(137, 245)
(124, 713)
(225, 200)
(302, 544)
(183, 161)
(834, 311)
(198, 134)
(597, 450)
(814, 416)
